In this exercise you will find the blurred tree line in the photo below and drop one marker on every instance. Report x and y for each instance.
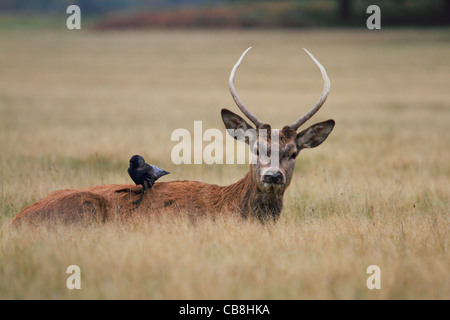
(94, 6)
(394, 12)
(300, 13)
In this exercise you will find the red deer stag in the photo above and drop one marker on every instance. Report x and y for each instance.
(259, 194)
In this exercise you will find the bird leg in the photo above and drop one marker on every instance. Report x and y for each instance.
(143, 190)
(140, 198)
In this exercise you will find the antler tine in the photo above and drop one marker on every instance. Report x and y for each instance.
(323, 96)
(235, 96)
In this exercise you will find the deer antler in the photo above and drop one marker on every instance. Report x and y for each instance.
(301, 120)
(235, 96)
(323, 96)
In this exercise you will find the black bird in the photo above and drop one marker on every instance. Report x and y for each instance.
(144, 174)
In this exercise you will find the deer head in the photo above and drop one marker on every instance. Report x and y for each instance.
(276, 150)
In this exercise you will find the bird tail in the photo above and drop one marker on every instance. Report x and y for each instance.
(159, 172)
(163, 173)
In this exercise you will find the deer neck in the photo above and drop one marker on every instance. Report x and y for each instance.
(246, 198)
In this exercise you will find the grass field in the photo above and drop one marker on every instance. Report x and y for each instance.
(75, 105)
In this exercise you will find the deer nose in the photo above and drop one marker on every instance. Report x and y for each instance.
(274, 178)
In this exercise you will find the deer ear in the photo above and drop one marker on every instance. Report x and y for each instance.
(233, 121)
(314, 135)
(237, 127)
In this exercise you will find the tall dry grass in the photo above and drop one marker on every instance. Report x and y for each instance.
(74, 106)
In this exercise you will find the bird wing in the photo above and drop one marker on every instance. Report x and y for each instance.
(158, 173)
(150, 174)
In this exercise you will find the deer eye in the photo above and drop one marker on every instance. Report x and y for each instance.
(294, 155)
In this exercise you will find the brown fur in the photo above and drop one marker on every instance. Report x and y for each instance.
(115, 202)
